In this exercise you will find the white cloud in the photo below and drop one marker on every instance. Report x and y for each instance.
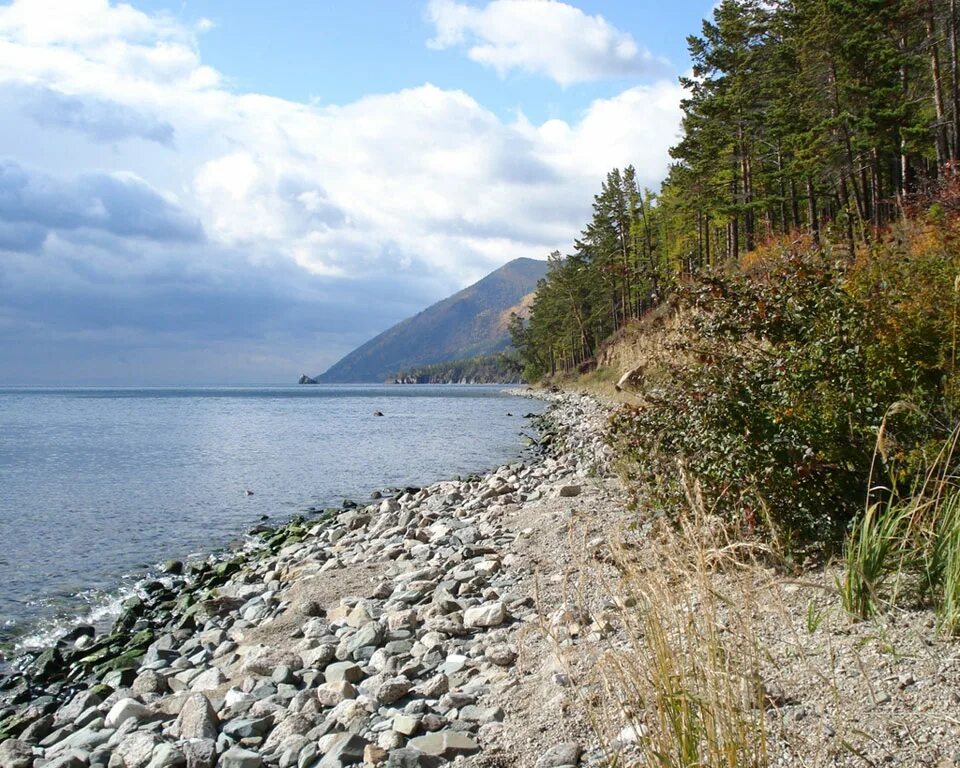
(544, 37)
(424, 186)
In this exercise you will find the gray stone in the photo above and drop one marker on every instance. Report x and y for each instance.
(477, 714)
(75, 758)
(15, 754)
(566, 491)
(38, 729)
(283, 674)
(501, 655)
(331, 694)
(208, 680)
(369, 635)
(445, 744)
(291, 725)
(405, 724)
(76, 707)
(86, 740)
(149, 681)
(344, 749)
(433, 688)
(167, 756)
(197, 719)
(200, 753)
(135, 750)
(239, 758)
(343, 670)
(560, 755)
(392, 690)
(247, 728)
(412, 758)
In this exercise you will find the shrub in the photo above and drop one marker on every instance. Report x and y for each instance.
(773, 396)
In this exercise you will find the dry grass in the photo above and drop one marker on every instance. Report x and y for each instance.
(677, 671)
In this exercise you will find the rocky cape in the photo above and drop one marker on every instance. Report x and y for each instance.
(474, 321)
(382, 634)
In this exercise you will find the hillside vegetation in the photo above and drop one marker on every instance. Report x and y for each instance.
(781, 318)
(502, 368)
(470, 323)
(791, 290)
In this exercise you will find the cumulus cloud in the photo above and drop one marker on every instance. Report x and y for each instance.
(118, 203)
(100, 119)
(336, 220)
(544, 37)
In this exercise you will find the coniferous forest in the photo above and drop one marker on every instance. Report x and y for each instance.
(795, 278)
(822, 119)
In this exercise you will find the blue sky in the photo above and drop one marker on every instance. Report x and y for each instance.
(204, 191)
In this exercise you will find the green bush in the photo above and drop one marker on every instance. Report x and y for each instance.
(773, 398)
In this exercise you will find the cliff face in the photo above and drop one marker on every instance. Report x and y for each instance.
(469, 323)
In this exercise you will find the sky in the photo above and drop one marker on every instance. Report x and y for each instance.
(236, 191)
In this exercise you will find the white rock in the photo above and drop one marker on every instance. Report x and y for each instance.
(124, 710)
(487, 615)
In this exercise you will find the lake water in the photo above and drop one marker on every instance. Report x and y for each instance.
(99, 485)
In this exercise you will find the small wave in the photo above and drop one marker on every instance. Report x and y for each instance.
(100, 611)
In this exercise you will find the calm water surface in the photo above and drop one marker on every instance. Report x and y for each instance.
(98, 485)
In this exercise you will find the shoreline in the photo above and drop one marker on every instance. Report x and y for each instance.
(235, 596)
(37, 618)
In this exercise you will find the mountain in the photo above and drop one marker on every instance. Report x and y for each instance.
(472, 322)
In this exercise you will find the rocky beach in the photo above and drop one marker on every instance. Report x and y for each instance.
(520, 618)
(385, 634)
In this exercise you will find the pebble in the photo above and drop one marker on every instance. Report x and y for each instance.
(399, 675)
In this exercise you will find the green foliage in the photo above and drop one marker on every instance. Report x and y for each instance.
(876, 537)
(774, 394)
(502, 368)
(916, 533)
(614, 275)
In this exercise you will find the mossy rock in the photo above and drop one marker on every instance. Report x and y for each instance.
(126, 660)
(142, 639)
(47, 664)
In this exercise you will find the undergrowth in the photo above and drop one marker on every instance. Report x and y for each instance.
(774, 382)
(682, 686)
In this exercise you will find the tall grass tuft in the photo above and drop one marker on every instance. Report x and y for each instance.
(876, 537)
(684, 689)
(918, 532)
